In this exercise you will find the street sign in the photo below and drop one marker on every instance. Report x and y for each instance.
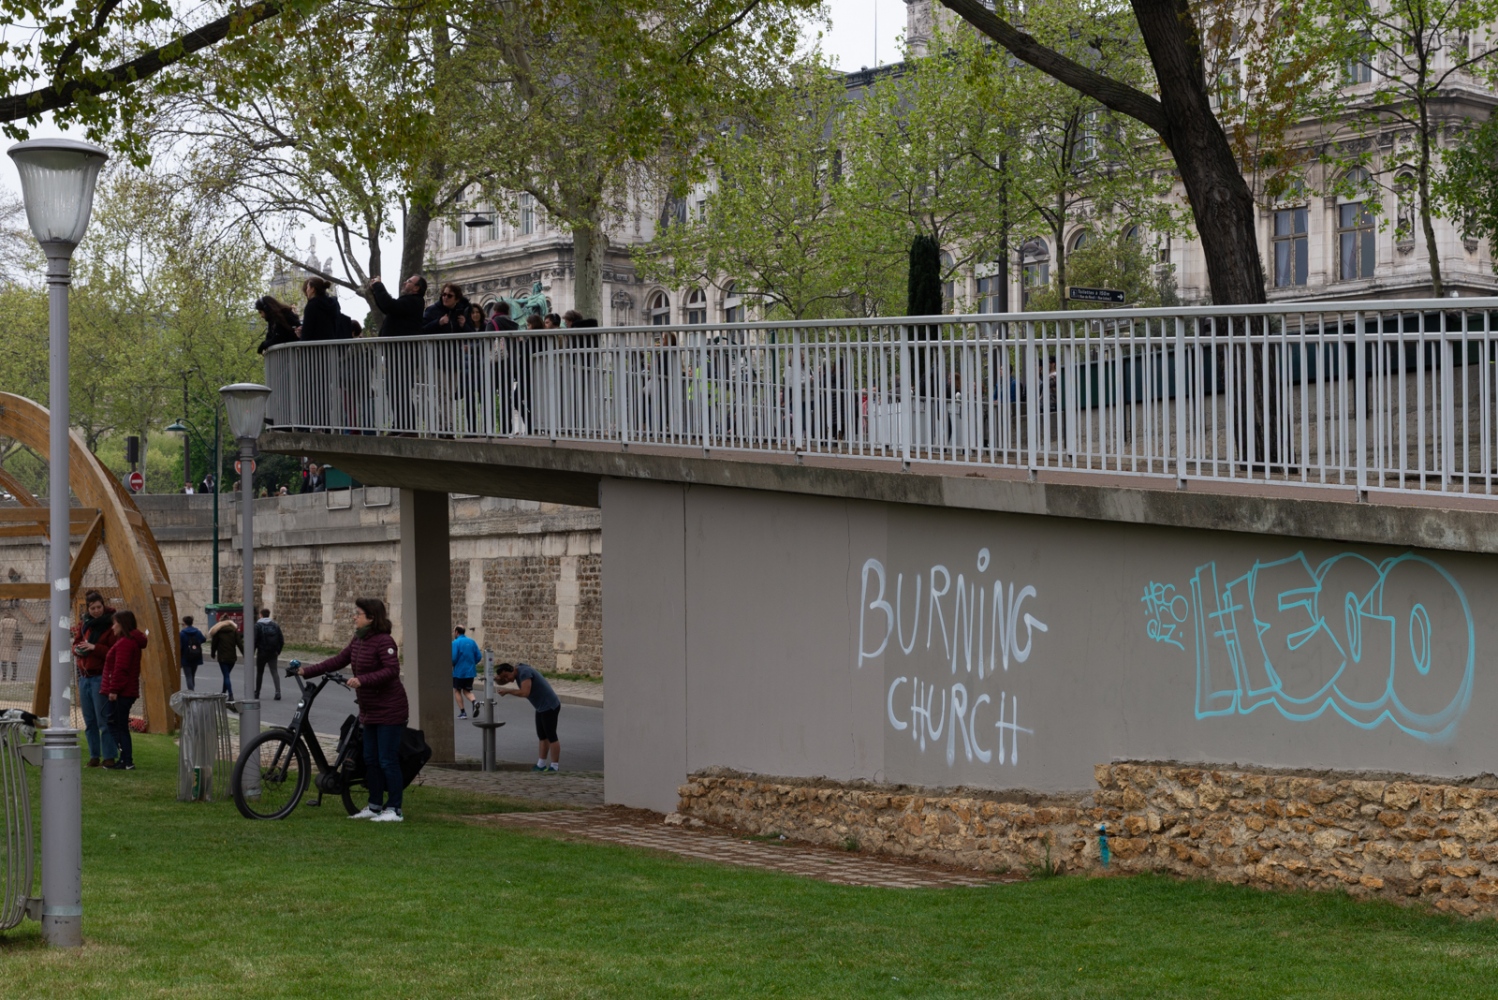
(1095, 295)
(236, 466)
(137, 482)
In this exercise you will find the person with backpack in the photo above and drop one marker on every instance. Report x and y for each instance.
(192, 641)
(268, 645)
(383, 709)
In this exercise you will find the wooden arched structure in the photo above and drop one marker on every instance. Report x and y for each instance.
(108, 517)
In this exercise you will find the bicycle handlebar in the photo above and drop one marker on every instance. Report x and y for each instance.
(295, 665)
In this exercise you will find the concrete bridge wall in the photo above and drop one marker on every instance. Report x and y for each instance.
(809, 637)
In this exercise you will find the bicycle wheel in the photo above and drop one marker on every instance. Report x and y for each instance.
(284, 774)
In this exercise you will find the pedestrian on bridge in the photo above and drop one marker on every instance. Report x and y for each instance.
(533, 687)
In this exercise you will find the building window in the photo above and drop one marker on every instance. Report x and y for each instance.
(696, 307)
(458, 229)
(1356, 250)
(948, 287)
(527, 215)
(660, 309)
(1355, 69)
(990, 293)
(1035, 256)
(733, 304)
(1080, 240)
(1291, 247)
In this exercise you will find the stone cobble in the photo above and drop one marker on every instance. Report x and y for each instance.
(626, 827)
(1396, 839)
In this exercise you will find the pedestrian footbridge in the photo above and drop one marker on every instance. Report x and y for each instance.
(852, 548)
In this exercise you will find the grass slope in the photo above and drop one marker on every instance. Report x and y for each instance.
(189, 900)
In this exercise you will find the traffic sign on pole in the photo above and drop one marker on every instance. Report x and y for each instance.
(236, 467)
(137, 482)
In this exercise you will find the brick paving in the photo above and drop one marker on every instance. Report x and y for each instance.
(645, 830)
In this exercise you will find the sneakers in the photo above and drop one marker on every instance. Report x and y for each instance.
(462, 714)
(554, 768)
(120, 766)
(538, 767)
(388, 816)
(93, 762)
(367, 813)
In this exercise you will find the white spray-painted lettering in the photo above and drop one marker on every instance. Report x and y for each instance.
(985, 635)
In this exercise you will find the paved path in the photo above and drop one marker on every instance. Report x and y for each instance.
(645, 830)
(580, 789)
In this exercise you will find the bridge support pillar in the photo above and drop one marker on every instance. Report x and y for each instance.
(426, 617)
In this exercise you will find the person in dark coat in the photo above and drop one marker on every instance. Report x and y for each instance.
(383, 709)
(225, 642)
(192, 640)
(403, 316)
(322, 319)
(280, 322)
(500, 320)
(449, 314)
(122, 684)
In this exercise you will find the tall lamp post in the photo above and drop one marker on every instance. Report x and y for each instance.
(180, 427)
(245, 404)
(57, 186)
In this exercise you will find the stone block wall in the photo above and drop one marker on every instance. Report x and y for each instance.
(525, 576)
(1393, 837)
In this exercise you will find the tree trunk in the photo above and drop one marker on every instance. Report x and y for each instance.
(1220, 198)
(1437, 288)
(414, 240)
(589, 244)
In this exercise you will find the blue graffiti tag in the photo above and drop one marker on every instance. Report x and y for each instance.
(1392, 641)
(1167, 612)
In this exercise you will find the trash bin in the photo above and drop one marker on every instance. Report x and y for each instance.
(218, 612)
(205, 755)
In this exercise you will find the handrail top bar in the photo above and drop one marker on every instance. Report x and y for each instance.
(1382, 306)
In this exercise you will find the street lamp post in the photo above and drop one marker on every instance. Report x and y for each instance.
(57, 186)
(245, 404)
(180, 427)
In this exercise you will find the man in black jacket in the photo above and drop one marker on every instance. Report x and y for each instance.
(403, 316)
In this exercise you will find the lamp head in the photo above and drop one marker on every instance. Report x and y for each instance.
(57, 185)
(176, 427)
(245, 403)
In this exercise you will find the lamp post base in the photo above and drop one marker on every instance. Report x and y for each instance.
(62, 839)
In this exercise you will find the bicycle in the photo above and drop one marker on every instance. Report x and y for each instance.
(285, 755)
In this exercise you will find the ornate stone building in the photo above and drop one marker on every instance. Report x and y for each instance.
(1313, 247)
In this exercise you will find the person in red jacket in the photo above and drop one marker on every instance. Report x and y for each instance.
(122, 684)
(383, 709)
(92, 637)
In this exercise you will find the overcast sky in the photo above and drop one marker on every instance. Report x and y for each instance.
(862, 33)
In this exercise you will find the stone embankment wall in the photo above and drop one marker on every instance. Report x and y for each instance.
(1398, 838)
(525, 575)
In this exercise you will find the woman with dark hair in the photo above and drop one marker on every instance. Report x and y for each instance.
(321, 317)
(280, 322)
(449, 314)
(383, 709)
(121, 684)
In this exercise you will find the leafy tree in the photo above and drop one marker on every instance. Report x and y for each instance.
(771, 225)
(1467, 188)
(1399, 63)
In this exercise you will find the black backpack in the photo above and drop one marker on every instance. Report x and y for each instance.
(414, 752)
(268, 638)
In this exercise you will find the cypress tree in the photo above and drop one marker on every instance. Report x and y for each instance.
(924, 288)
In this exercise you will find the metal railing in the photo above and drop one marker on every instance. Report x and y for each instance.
(17, 845)
(1371, 396)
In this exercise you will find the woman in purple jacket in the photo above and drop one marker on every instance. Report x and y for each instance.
(382, 706)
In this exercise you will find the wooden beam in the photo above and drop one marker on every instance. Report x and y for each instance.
(41, 515)
(24, 592)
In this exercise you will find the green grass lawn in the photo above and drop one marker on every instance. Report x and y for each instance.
(191, 900)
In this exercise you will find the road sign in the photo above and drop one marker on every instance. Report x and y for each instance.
(137, 482)
(1095, 295)
(236, 466)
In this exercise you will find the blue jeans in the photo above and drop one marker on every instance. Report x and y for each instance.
(96, 718)
(382, 766)
(227, 668)
(119, 725)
